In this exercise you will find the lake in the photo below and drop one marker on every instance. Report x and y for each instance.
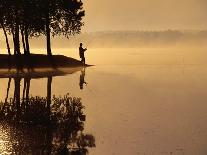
(133, 101)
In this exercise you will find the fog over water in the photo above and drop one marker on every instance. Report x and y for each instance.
(137, 101)
(145, 15)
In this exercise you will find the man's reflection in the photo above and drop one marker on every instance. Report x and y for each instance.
(82, 78)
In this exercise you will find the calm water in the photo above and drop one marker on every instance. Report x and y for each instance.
(134, 101)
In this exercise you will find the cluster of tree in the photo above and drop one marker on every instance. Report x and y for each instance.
(23, 19)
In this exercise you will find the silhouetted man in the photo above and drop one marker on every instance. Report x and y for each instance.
(81, 53)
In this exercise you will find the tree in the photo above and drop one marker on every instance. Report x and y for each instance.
(62, 17)
(2, 24)
(39, 17)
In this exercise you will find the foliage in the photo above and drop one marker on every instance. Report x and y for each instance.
(40, 17)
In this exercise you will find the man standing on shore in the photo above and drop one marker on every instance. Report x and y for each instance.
(81, 53)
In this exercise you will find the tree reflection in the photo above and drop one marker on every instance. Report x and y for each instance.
(45, 125)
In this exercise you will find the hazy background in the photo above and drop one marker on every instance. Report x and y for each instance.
(136, 23)
(104, 15)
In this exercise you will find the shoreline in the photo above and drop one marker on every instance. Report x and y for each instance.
(38, 65)
(38, 61)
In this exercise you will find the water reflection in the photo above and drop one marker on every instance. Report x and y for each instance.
(82, 78)
(42, 125)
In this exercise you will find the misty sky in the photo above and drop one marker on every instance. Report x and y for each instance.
(144, 14)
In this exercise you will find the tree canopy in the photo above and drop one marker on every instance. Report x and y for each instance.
(39, 17)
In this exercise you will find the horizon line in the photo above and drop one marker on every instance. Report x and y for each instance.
(143, 30)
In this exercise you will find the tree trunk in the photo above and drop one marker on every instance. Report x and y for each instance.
(7, 91)
(27, 40)
(27, 89)
(24, 90)
(17, 45)
(49, 95)
(49, 90)
(17, 82)
(23, 41)
(49, 52)
(13, 37)
(7, 40)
